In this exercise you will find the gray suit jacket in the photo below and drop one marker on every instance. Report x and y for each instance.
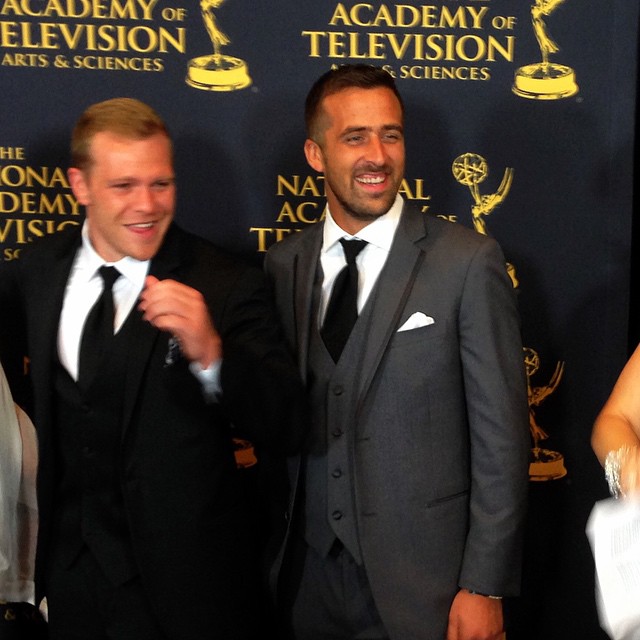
(437, 415)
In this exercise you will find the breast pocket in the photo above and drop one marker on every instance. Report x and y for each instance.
(417, 336)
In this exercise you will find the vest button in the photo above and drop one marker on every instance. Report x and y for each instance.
(338, 390)
(336, 433)
(336, 515)
(88, 452)
(336, 473)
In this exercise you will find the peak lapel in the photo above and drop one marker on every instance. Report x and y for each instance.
(164, 265)
(305, 266)
(391, 292)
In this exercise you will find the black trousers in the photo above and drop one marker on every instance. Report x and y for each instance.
(84, 605)
(21, 621)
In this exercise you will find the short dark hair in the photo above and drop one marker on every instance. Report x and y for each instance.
(361, 76)
(126, 117)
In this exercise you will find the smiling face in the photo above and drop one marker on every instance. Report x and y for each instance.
(360, 150)
(128, 190)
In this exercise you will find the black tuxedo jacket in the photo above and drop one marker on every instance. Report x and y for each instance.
(183, 494)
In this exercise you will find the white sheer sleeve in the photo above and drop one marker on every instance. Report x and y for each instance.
(18, 511)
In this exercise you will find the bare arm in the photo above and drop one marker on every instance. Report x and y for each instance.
(618, 423)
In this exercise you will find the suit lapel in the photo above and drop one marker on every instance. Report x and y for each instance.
(305, 265)
(49, 299)
(144, 334)
(390, 294)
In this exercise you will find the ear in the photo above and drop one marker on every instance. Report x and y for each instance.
(313, 153)
(79, 186)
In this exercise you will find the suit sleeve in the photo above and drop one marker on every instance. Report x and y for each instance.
(496, 397)
(261, 388)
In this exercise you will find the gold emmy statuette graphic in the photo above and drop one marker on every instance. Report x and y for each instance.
(470, 169)
(544, 80)
(216, 72)
(544, 464)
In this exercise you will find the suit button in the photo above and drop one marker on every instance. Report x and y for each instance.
(336, 515)
(336, 473)
(336, 433)
(88, 452)
(338, 390)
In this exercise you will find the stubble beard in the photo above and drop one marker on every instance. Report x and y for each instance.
(366, 213)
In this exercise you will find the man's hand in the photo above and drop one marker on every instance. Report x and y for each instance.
(475, 617)
(180, 310)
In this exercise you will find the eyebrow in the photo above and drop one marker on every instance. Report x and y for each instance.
(385, 127)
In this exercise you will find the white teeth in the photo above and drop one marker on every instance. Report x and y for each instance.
(371, 180)
(146, 225)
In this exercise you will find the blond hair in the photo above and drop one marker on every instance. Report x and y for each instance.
(126, 117)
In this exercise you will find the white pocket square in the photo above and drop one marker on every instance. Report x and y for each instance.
(417, 320)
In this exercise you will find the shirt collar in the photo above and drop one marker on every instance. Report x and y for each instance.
(379, 233)
(89, 261)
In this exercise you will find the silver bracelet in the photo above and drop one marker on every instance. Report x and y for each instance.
(485, 595)
(612, 467)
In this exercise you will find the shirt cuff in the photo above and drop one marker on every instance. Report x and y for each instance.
(209, 379)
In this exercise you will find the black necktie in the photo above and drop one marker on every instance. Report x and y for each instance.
(342, 310)
(98, 329)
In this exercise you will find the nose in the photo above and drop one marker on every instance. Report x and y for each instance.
(376, 152)
(145, 199)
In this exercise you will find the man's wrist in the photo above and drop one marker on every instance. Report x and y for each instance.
(209, 378)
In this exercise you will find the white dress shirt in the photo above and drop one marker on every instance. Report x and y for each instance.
(379, 237)
(83, 289)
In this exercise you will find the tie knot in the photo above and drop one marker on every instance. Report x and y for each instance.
(352, 248)
(109, 275)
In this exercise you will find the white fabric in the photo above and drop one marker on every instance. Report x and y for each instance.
(417, 320)
(379, 236)
(18, 510)
(613, 530)
(83, 288)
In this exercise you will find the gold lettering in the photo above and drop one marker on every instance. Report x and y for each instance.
(340, 15)
(264, 232)
(300, 212)
(104, 37)
(433, 47)
(11, 153)
(416, 194)
(309, 187)
(477, 16)
(336, 46)
(57, 204)
(384, 17)
(11, 7)
(286, 213)
(290, 187)
(294, 186)
(13, 175)
(314, 42)
(355, 15)
(9, 202)
(414, 17)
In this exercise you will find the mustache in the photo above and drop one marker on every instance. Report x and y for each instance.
(370, 167)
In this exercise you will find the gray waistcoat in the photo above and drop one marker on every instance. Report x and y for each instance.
(329, 474)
